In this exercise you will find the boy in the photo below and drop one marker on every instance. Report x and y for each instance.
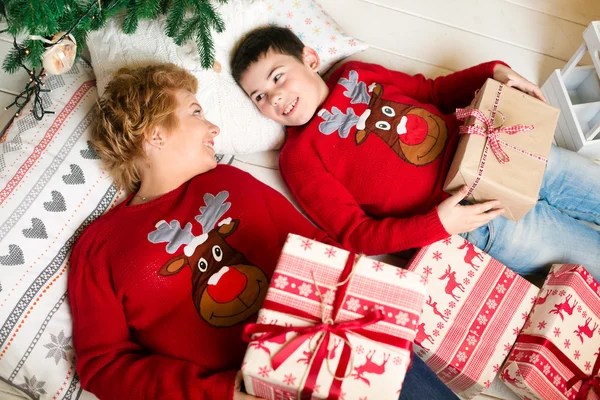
(367, 154)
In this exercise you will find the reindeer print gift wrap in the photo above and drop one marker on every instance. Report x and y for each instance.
(556, 354)
(329, 312)
(474, 309)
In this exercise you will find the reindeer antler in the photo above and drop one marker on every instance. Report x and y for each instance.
(355, 90)
(336, 120)
(213, 211)
(172, 234)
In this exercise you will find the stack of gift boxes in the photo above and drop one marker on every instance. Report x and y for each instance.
(339, 326)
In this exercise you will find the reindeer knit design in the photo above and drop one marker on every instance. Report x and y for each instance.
(381, 176)
(160, 292)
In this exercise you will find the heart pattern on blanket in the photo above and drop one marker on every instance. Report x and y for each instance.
(76, 176)
(14, 144)
(14, 256)
(57, 204)
(26, 123)
(37, 230)
(89, 153)
(54, 82)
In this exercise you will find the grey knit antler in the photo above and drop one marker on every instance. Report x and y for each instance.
(355, 90)
(336, 120)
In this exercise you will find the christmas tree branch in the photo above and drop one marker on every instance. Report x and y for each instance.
(42, 20)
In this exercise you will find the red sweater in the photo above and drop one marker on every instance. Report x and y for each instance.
(155, 318)
(370, 166)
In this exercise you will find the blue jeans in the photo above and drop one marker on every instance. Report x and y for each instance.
(421, 383)
(552, 232)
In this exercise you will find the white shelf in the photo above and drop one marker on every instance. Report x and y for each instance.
(576, 91)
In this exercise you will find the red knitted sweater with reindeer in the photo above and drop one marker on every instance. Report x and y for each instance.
(161, 291)
(370, 166)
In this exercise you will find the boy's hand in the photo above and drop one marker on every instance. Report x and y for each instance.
(460, 219)
(237, 393)
(510, 78)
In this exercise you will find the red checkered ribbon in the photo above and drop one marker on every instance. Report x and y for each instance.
(492, 134)
(326, 327)
(490, 131)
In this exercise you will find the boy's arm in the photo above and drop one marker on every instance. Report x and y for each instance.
(334, 209)
(447, 93)
(110, 364)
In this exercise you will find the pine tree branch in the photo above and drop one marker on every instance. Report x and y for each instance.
(130, 22)
(175, 16)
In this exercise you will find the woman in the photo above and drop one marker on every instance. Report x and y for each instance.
(162, 285)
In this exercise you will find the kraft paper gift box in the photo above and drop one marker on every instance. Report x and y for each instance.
(474, 310)
(556, 354)
(508, 163)
(360, 327)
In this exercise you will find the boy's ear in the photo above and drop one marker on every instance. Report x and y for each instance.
(311, 58)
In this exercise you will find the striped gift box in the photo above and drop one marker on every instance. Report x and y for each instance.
(376, 370)
(560, 340)
(473, 312)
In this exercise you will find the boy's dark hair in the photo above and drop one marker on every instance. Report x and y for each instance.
(258, 42)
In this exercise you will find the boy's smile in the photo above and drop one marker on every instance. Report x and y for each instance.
(285, 89)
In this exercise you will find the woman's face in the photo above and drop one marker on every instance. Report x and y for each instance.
(189, 146)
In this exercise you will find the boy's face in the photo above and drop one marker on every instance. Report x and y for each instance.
(284, 89)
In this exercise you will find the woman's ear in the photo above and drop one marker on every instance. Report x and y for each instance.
(155, 139)
(311, 58)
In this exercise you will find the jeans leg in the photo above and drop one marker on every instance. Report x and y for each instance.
(421, 383)
(572, 185)
(545, 236)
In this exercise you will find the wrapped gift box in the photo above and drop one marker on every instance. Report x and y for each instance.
(474, 311)
(560, 340)
(517, 181)
(372, 358)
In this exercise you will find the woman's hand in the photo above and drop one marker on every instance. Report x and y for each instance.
(237, 393)
(460, 219)
(510, 78)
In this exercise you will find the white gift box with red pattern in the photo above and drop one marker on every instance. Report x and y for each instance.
(373, 370)
(560, 341)
(474, 311)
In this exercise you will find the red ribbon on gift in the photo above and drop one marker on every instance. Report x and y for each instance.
(325, 327)
(492, 134)
(587, 381)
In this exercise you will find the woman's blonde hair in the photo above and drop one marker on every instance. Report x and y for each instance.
(136, 101)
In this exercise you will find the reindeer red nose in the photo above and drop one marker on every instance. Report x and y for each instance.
(226, 285)
(412, 130)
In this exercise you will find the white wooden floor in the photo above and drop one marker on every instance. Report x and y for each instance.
(436, 37)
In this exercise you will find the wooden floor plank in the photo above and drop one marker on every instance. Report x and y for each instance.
(433, 43)
(500, 20)
(579, 11)
(398, 62)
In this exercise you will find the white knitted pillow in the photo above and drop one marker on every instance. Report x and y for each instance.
(243, 129)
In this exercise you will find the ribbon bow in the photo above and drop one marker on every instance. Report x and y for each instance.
(325, 327)
(489, 130)
(587, 381)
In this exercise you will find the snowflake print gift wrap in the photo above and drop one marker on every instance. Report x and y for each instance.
(556, 356)
(329, 312)
(474, 310)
